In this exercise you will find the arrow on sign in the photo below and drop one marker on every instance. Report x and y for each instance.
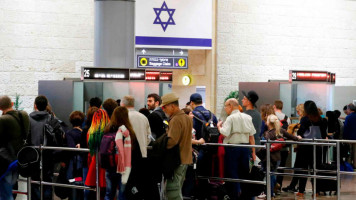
(143, 51)
(181, 52)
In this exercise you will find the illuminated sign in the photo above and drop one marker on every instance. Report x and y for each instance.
(315, 76)
(89, 73)
(152, 75)
(137, 74)
(165, 76)
(162, 62)
(105, 73)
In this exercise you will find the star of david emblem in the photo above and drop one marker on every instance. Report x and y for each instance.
(170, 20)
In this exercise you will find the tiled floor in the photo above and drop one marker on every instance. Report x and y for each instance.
(348, 190)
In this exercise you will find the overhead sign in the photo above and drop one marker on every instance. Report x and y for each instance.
(174, 24)
(316, 76)
(91, 73)
(162, 62)
(105, 73)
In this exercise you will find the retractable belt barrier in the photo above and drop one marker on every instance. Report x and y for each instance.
(267, 145)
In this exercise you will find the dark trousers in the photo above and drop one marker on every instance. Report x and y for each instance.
(284, 156)
(236, 167)
(304, 159)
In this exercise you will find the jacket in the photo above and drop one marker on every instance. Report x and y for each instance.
(37, 120)
(10, 130)
(350, 127)
(156, 119)
(197, 125)
(169, 159)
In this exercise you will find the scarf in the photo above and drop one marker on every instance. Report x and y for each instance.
(123, 144)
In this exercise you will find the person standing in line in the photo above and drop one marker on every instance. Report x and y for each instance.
(157, 118)
(94, 136)
(109, 106)
(285, 122)
(38, 119)
(249, 102)
(12, 136)
(139, 124)
(179, 133)
(237, 129)
(74, 162)
(121, 126)
(350, 130)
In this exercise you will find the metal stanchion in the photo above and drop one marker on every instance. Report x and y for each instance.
(41, 173)
(268, 170)
(97, 176)
(338, 169)
(314, 171)
(29, 188)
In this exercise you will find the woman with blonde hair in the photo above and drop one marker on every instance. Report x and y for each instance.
(275, 132)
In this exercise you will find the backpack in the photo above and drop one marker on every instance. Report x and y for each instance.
(209, 131)
(284, 122)
(53, 132)
(108, 151)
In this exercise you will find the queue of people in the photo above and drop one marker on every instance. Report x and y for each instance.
(119, 135)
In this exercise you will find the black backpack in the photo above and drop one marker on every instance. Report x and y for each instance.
(285, 122)
(53, 132)
(209, 130)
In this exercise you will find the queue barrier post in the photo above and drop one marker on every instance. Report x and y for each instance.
(268, 170)
(42, 183)
(314, 170)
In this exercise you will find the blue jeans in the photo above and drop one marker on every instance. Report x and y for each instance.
(236, 167)
(113, 180)
(6, 185)
(273, 177)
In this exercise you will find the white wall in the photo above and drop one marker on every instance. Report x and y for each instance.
(258, 40)
(43, 40)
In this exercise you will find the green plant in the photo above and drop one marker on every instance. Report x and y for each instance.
(17, 102)
(233, 94)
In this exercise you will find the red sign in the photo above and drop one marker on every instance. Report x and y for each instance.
(152, 75)
(312, 76)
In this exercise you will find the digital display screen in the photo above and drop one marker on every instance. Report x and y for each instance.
(310, 76)
(166, 76)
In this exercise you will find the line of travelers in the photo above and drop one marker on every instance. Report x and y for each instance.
(176, 135)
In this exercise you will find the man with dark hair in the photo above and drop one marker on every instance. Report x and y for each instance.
(179, 133)
(37, 136)
(157, 118)
(109, 105)
(350, 129)
(249, 102)
(14, 127)
(95, 101)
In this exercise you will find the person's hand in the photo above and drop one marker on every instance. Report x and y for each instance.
(299, 137)
(77, 146)
(219, 124)
(201, 141)
(253, 156)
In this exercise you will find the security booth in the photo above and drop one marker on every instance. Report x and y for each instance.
(66, 96)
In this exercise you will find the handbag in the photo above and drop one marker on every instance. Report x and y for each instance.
(313, 132)
(277, 146)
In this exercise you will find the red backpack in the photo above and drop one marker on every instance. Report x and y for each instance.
(108, 152)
